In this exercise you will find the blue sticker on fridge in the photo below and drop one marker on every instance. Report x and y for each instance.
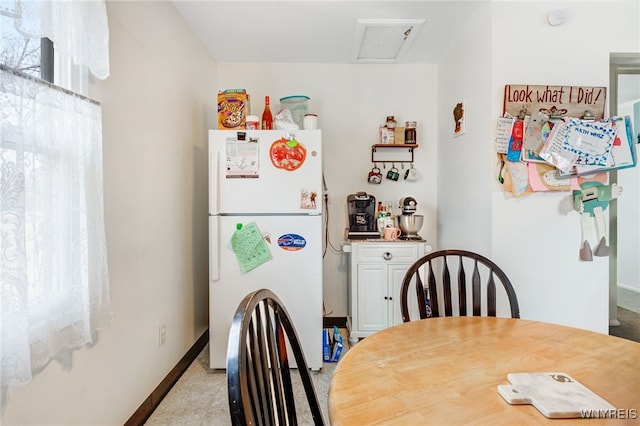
(291, 242)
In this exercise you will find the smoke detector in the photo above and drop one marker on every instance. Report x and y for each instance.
(556, 17)
(384, 40)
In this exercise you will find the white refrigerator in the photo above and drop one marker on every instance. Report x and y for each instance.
(265, 230)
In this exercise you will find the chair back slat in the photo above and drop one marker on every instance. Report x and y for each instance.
(491, 296)
(421, 296)
(433, 293)
(483, 279)
(268, 356)
(256, 355)
(462, 288)
(446, 289)
(272, 329)
(477, 291)
(287, 386)
(259, 378)
(255, 395)
(264, 345)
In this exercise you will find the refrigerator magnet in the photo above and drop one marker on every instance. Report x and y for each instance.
(308, 199)
(291, 242)
(287, 154)
(249, 246)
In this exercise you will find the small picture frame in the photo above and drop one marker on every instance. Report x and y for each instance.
(458, 112)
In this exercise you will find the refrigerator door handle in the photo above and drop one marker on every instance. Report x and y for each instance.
(214, 190)
(214, 251)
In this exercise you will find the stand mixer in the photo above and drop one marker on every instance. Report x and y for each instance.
(409, 222)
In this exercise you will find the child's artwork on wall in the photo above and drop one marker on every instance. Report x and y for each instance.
(458, 119)
(591, 200)
(577, 142)
(564, 127)
(556, 138)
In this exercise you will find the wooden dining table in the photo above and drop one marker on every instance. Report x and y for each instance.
(446, 371)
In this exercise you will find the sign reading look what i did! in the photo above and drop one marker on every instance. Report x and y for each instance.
(556, 101)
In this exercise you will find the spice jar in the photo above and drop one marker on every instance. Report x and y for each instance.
(410, 134)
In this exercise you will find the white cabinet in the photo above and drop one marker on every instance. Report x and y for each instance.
(376, 271)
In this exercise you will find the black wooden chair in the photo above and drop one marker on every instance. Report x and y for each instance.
(475, 275)
(258, 374)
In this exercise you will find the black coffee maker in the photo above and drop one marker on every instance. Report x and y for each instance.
(362, 216)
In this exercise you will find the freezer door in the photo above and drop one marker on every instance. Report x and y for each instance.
(244, 179)
(293, 272)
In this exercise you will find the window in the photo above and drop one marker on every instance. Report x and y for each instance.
(54, 292)
(36, 57)
(29, 55)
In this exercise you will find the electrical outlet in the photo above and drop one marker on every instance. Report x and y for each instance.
(162, 335)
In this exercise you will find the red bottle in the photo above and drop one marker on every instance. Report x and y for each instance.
(267, 117)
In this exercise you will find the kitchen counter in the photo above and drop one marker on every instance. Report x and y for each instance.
(346, 244)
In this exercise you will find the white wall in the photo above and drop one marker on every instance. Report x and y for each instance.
(537, 246)
(464, 162)
(629, 214)
(351, 102)
(162, 82)
(529, 234)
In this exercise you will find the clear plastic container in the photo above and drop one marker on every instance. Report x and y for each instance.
(298, 105)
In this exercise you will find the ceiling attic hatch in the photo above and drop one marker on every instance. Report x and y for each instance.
(384, 40)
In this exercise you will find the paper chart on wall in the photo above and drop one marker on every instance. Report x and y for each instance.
(623, 151)
(503, 133)
(591, 141)
(579, 143)
(517, 178)
(553, 151)
(536, 133)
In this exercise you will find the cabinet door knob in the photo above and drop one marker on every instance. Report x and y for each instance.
(387, 255)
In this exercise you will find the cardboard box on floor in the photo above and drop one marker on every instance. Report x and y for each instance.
(331, 344)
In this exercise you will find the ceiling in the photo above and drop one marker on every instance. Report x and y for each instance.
(323, 31)
(318, 31)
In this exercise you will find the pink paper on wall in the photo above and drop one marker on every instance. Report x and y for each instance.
(544, 177)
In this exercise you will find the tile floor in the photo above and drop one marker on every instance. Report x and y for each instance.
(200, 396)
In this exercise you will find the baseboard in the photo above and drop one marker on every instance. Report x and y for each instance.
(145, 410)
(628, 298)
(629, 288)
(329, 322)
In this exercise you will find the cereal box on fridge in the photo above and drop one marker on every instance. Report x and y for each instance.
(232, 109)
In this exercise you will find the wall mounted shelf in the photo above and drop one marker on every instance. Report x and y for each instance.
(392, 153)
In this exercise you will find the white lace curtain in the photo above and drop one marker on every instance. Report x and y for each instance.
(54, 291)
(78, 28)
(53, 252)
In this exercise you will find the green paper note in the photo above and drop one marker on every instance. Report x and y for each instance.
(250, 248)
